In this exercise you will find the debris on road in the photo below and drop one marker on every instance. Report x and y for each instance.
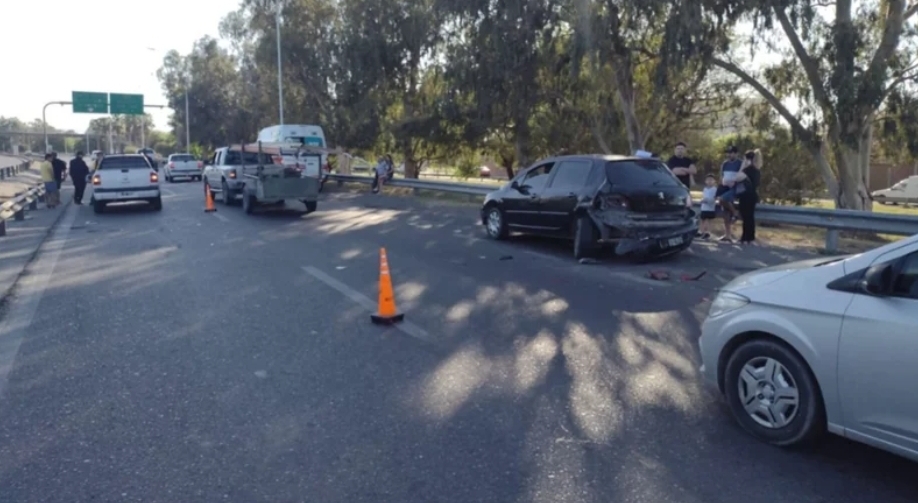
(506, 257)
(587, 260)
(658, 275)
(688, 277)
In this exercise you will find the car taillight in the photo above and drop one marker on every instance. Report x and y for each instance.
(154, 178)
(171, 165)
(200, 165)
(97, 180)
(277, 159)
(614, 201)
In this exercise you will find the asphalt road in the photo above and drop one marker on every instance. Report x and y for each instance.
(188, 356)
(7, 160)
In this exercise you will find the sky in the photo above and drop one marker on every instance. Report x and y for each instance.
(128, 48)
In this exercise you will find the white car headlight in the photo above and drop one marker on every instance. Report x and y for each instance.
(726, 302)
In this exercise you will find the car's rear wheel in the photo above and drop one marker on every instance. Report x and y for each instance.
(773, 395)
(495, 225)
(585, 241)
(311, 206)
(157, 204)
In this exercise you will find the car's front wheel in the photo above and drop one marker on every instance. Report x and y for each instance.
(773, 395)
(495, 225)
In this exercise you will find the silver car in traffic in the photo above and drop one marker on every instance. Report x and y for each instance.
(828, 344)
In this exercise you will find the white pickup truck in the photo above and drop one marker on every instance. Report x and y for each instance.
(122, 178)
(183, 166)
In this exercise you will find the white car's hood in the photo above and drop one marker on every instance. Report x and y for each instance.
(774, 273)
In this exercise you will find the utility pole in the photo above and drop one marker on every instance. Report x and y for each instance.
(280, 72)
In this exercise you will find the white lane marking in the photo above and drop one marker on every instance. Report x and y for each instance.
(363, 301)
(220, 217)
(28, 294)
(168, 192)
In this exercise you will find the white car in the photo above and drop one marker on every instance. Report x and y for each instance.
(823, 344)
(122, 178)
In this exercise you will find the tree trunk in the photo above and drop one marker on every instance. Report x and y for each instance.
(624, 80)
(521, 142)
(853, 166)
(507, 163)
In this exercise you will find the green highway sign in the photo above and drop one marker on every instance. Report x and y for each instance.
(89, 103)
(126, 104)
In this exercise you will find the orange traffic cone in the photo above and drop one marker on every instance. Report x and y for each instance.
(386, 314)
(208, 200)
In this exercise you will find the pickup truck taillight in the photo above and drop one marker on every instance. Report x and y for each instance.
(171, 165)
(200, 165)
(154, 178)
(97, 180)
(232, 174)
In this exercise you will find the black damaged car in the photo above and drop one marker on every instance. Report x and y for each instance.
(633, 204)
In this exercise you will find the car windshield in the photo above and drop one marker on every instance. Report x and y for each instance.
(182, 158)
(640, 172)
(124, 162)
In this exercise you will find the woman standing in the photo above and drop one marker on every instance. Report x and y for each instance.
(750, 175)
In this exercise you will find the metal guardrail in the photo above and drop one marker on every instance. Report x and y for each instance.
(15, 208)
(833, 221)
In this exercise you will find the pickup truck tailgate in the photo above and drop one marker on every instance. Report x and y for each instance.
(126, 173)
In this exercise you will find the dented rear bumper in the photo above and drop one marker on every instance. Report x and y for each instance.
(633, 233)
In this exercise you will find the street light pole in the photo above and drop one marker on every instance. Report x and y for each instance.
(44, 122)
(280, 72)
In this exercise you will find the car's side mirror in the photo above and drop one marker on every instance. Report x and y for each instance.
(877, 280)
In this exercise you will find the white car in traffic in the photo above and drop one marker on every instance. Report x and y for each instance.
(182, 166)
(828, 344)
(123, 178)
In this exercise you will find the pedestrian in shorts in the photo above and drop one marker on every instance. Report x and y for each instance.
(708, 206)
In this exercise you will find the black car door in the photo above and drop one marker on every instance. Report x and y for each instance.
(521, 202)
(564, 191)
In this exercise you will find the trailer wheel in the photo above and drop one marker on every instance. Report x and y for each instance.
(311, 206)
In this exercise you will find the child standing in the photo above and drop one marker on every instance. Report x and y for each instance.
(708, 206)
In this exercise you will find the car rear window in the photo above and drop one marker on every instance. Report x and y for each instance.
(182, 158)
(127, 162)
(640, 172)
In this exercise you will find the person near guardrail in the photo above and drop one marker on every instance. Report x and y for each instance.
(47, 177)
(747, 188)
(726, 192)
(60, 169)
(79, 171)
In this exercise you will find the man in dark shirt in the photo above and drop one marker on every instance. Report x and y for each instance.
(59, 167)
(78, 173)
(682, 166)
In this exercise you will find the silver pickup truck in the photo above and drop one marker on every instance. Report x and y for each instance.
(183, 166)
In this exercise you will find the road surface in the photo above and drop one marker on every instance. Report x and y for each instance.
(188, 356)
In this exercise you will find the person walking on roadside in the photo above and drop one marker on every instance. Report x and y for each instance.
(47, 177)
(60, 169)
(79, 171)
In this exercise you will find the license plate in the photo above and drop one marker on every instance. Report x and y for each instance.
(671, 242)
(126, 194)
